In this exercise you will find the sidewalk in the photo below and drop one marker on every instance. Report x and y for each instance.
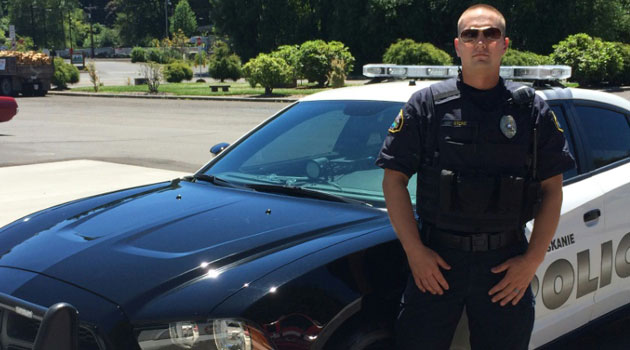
(39, 186)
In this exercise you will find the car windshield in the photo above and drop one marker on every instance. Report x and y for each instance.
(327, 146)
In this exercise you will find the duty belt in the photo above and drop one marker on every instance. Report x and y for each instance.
(474, 242)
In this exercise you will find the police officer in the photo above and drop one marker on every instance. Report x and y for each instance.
(489, 156)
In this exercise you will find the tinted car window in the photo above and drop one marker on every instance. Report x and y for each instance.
(559, 112)
(607, 135)
(327, 146)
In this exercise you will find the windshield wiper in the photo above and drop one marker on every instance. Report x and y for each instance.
(216, 180)
(303, 192)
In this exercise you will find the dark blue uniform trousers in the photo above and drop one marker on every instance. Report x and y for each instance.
(428, 321)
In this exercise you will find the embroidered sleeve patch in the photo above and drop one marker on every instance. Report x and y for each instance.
(555, 120)
(397, 125)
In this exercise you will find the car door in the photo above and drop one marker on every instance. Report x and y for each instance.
(564, 301)
(606, 134)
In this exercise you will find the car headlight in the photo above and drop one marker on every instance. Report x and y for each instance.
(220, 334)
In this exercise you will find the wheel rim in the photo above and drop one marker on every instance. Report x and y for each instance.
(5, 87)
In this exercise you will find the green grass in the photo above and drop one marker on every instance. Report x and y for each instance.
(203, 89)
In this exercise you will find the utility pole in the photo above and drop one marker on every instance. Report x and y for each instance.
(90, 8)
(166, 18)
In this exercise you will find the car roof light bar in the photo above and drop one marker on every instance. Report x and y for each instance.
(549, 72)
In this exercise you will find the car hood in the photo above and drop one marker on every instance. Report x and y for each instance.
(133, 246)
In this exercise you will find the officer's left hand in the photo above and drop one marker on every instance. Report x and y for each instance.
(520, 272)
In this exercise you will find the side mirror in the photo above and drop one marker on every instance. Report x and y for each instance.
(218, 148)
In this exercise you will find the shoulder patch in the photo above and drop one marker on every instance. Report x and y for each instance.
(555, 120)
(397, 125)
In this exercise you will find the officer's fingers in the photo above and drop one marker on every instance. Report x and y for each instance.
(509, 297)
(502, 294)
(435, 286)
(442, 263)
(500, 268)
(499, 287)
(420, 286)
(519, 296)
(441, 280)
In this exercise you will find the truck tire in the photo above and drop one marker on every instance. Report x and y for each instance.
(6, 87)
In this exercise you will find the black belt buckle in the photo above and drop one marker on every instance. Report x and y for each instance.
(479, 242)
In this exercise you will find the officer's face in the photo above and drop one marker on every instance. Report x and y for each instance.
(484, 52)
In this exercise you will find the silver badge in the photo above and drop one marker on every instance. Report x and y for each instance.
(508, 126)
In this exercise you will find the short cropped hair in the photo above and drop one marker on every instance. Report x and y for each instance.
(485, 7)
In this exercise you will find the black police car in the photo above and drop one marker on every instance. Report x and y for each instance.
(282, 241)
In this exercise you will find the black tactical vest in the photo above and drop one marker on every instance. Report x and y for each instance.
(478, 168)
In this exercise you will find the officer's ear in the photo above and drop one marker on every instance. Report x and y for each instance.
(456, 44)
(506, 44)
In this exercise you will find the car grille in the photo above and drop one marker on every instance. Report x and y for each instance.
(18, 333)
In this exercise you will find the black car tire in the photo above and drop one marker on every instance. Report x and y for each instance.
(6, 88)
(361, 335)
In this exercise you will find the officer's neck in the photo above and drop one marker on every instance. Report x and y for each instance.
(480, 80)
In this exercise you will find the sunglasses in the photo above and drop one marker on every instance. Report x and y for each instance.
(490, 33)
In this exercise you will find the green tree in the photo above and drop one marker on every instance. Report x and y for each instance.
(183, 19)
(407, 51)
(138, 21)
(291, 55)
(316, 57)
(47, 22)
(270, 72)
(592, 60)
(223, 64)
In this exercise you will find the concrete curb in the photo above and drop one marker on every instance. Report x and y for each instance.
(173, 97)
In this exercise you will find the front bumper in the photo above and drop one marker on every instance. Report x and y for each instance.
(30, 326)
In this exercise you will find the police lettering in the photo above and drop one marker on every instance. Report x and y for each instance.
(560, 277)
(561, 242)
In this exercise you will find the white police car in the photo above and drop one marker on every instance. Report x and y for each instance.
(585, 275)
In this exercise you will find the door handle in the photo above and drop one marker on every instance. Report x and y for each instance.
(592, 215)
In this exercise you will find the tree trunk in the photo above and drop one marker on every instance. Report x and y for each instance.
(268, 91)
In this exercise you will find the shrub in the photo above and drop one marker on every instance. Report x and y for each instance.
(268, 71)
(316, 56)
(515, 57)
(200, 59)
(94, 78)
(152, 72)
(177, 71)
(591, 59)
(623, 77)
(156, 55)
(223, 64)
(138, 54)
(291, 55)
(409, 52)
(65, 74)
(337, 76)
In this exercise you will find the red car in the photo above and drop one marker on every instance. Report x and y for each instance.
(8, 108)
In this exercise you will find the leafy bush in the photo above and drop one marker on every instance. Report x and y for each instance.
(177, 71)
(223, 64)
(268, 71)
(291, 55)
(156, 55)
(316, 56)
(138, 54)
(65, 74)
(592, 60)
(515, 57)
(409, 52)
(623, 77)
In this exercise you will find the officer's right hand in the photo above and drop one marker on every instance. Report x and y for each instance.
(425, 266)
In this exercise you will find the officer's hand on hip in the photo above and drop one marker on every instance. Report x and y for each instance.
(425, 266)
(519, 273)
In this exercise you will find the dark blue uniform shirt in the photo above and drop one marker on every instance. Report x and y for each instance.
(402, 148)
